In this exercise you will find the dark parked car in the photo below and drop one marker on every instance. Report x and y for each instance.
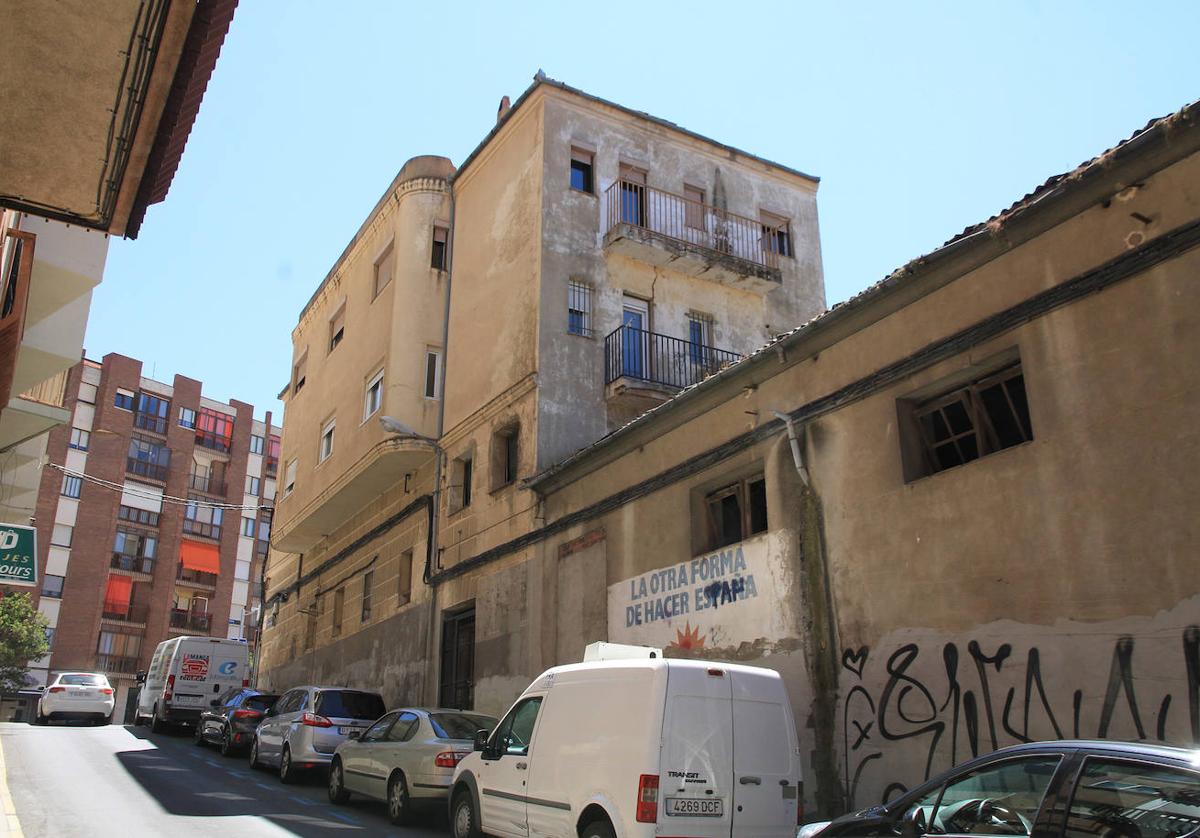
(232, 717)
(1068, 789)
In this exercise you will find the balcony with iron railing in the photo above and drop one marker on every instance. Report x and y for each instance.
(643, 369)
(195, 578)
(209, 484)
(213, 441)
(131, 563)
(694, 238)
(201, 528)
(117, 664)
(127, 612)
(199, 621)
(145, 468)
(150, 422)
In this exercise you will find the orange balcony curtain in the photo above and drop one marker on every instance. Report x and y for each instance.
(118, 594)
(203, 557)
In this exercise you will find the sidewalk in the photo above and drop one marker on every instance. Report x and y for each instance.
(10, 827)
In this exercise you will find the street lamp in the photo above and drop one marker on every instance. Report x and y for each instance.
(402, 431)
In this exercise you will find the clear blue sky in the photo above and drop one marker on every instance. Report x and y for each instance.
(919, 118)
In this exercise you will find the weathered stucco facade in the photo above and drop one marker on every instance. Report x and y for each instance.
(983, 530)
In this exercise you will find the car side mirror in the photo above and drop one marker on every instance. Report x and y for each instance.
(913, 824)
(481, 740)
(354, 735)
(141, 677)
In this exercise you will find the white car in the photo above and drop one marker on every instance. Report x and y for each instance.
(77, 695)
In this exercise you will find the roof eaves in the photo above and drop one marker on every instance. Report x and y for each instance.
(542, 79)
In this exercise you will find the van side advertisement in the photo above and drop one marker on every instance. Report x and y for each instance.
(720, 599)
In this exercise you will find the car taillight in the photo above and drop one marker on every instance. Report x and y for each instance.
(169, 689)
(247, 714)
(57, 689)
(245, 683)
(647, 799)
(313, 720)
(449, 759)
(106, 691)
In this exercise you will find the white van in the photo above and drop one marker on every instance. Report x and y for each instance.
(186, 674)
(624, 748)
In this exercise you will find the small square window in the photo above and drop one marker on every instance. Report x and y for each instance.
(52, 586)
(373, 400)
(438, 252)
(736, 512)
(581, 170)
(326, 449)
(124, 400)
(79, 439)
(187, 418)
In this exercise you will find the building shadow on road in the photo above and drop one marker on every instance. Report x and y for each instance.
(189, 781)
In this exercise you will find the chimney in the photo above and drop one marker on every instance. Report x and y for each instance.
(503, 109)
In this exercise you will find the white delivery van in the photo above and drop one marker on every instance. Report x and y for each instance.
(638, 747)
(186, 674)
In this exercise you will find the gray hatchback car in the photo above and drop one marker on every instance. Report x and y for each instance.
(307, 725)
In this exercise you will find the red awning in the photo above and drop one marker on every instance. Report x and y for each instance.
(196, 555)
(118, 593)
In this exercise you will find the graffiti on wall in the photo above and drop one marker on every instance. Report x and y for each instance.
(916, 709)
(722, 598)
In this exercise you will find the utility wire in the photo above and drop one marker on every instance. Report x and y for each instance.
(137, 493)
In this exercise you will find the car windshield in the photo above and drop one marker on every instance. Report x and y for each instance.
(261, 702)
(83, 680)
(460, 725)
(350, 704)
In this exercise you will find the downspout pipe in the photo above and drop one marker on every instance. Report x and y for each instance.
(794, 442)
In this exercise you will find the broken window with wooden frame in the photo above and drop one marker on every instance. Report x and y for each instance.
(980, 418)
(736, 512)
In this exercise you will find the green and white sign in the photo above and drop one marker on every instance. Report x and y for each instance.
(18, 555)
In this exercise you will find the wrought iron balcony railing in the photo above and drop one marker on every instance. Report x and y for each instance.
(660, 359)
(201, 528)
(126, 612)
(119, 664)
(700, 226)
(196, 577)
(191, 620)
(210, 484)
(135, 564)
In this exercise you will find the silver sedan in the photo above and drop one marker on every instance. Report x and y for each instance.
(406, 758)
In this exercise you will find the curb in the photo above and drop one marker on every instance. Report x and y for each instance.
(10, 827)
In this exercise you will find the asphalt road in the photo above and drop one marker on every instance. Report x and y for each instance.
(124, 781)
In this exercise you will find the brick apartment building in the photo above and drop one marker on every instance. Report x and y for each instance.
(153, 519)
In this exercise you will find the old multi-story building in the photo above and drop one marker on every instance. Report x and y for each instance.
(153, 519)
(955, 512)
(584, 263)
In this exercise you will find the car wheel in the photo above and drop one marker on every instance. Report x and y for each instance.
(287, 772)
(464, 822)
(254, 762)
(157, 725)
(226, 744)
(598, 829)
(337, 785)
(398, 804)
